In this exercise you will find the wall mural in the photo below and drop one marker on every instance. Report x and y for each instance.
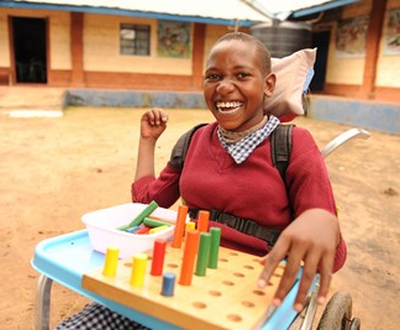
(351, 37)
(392, 36)
(174, 39)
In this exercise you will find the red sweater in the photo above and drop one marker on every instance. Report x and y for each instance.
(252, 190)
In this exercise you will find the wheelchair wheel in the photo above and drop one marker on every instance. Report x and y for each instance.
(355, 324)
(337, 314)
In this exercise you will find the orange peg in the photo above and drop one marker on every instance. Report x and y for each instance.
(189, 256)
(204, 217)
(180, 226)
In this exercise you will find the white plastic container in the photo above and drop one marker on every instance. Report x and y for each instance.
(102, 224)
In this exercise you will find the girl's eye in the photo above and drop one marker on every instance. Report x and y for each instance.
(243, 75)
(212, 76)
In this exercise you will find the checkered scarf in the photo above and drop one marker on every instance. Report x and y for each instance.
(244, 147)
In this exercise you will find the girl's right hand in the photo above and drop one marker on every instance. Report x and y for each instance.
(153, 123)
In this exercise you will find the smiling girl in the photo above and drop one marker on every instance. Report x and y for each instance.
(228, 169)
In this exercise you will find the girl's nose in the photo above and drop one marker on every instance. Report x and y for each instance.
(225, 86)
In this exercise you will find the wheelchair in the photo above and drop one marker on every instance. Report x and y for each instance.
(336, 315)
(338, 311)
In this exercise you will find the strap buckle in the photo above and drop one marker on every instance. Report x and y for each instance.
(245, 226)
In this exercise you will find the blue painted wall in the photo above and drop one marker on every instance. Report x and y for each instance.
(143, 99)
(384, 117)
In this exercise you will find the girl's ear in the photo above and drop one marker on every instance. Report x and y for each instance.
(270, 81)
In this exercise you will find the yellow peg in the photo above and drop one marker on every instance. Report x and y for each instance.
(110, 265)
(138, 269)
(191, 225)
(157, 229)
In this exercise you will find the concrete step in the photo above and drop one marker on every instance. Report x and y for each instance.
(32, 101)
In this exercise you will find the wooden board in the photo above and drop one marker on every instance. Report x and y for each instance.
(226, 298)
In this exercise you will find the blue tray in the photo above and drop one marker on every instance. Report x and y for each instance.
(65, 259)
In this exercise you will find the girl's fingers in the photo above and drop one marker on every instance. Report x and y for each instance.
(158, 116)
(294, 259)
(326, 272)
(271, 261)
(164, 116)
(155, 117)
(149, 117)
(304, 241)
(309, 271)
(314, 259)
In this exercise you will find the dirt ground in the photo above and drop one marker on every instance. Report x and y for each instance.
(54, 170)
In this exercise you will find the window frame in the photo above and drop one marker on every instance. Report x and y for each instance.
(137, 45)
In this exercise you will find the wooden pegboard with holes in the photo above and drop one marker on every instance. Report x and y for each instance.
(225, 298)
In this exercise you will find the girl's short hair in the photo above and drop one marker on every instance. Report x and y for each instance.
(262, 51)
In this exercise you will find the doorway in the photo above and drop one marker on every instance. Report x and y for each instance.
(30, 49)
(321, 41)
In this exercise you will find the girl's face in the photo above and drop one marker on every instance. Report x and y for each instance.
(234, 86)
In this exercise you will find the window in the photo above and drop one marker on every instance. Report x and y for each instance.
(135, 39)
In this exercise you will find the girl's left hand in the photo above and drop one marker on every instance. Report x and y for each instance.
(311, 239)
(153, 123)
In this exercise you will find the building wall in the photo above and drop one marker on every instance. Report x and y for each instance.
(4, 44)
(102, 64)
(346, 70)
(96, 62)
(388, 70)
(60, 40)
(59, 28)
(373, 76)
(213, 32)
(59, 54)
(101, 50)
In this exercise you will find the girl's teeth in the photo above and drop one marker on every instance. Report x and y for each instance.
(228, 104)
(228, 110)
(228, 107)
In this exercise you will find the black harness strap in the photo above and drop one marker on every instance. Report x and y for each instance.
(181, 147)
(245, 226)
(281, 146)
